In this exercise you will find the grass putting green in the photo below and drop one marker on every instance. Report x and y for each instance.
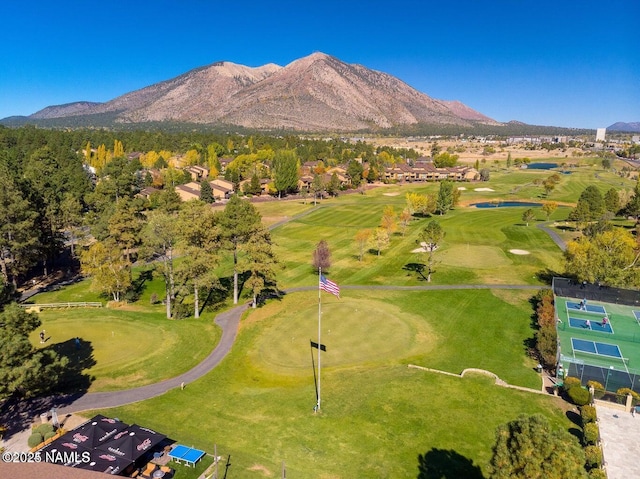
(127, 348)
(356, 330)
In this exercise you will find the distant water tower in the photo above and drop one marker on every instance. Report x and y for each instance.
(600, 134)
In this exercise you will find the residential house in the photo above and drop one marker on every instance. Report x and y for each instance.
(198, 173)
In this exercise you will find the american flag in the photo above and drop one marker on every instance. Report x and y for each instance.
(329, 286)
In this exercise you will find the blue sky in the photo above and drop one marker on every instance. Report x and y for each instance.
(562, 63)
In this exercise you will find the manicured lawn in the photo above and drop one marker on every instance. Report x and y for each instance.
(126, 345)
(448, 330)
(122, 348)
(475, 249)
(378, 415)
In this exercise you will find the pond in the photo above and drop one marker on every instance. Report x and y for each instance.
(541, 166)
(504, 204)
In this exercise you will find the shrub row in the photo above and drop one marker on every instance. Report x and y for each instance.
(577, 394)
(546, 336)
(590, 434)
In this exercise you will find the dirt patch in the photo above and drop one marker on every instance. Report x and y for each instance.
(260, 468)
(519, 251)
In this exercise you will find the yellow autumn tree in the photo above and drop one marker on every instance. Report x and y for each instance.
(118, 149)
(389, 220)
(149, 159)
(192, 157)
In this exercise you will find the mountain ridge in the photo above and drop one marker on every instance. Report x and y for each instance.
(626, 127)
(318, 92)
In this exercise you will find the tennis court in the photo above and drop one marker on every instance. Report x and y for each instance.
(595, 347)
(614, 361)
(589, 308)
(187, 454)
(592, 325)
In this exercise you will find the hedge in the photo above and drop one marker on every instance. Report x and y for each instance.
(590, 433)
(579, 395)
(588, 414)
(35, 439)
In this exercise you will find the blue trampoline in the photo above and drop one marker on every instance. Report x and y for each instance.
(593, 325)
(590, 308)
(189, 455)
(593, 347)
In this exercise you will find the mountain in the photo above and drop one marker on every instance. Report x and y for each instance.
(633, 127)
(315, 93)
(68, 109)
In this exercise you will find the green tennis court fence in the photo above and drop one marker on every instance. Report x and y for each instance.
(612, 378)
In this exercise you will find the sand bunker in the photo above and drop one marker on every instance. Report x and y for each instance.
(483, 189)
(424, 248)
(518, 251)
(390, 194)
(461, 188)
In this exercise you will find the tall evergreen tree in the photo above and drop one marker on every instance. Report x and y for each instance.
(206, 192)
(199, 245)
(25, 370)
(160, 236)
(237, 224)
(260, 262)
(19, 236)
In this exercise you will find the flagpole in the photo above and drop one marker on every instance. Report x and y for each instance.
(319, 342)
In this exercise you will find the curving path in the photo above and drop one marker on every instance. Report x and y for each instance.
(228, 322)
(19, 415)
(554, 236)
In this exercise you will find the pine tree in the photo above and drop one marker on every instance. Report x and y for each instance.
(206, 192)
(260, 262)
(24, 370)
(237, 224)
(199, 243)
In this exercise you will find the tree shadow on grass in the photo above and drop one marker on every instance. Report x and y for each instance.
(80, 356)
(214, 299)
(547, 275)
(447, 464)
(138, 285)
(18, 413)
(576, 419)
(416, 268)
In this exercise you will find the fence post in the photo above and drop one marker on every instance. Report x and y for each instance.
(629, 403)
